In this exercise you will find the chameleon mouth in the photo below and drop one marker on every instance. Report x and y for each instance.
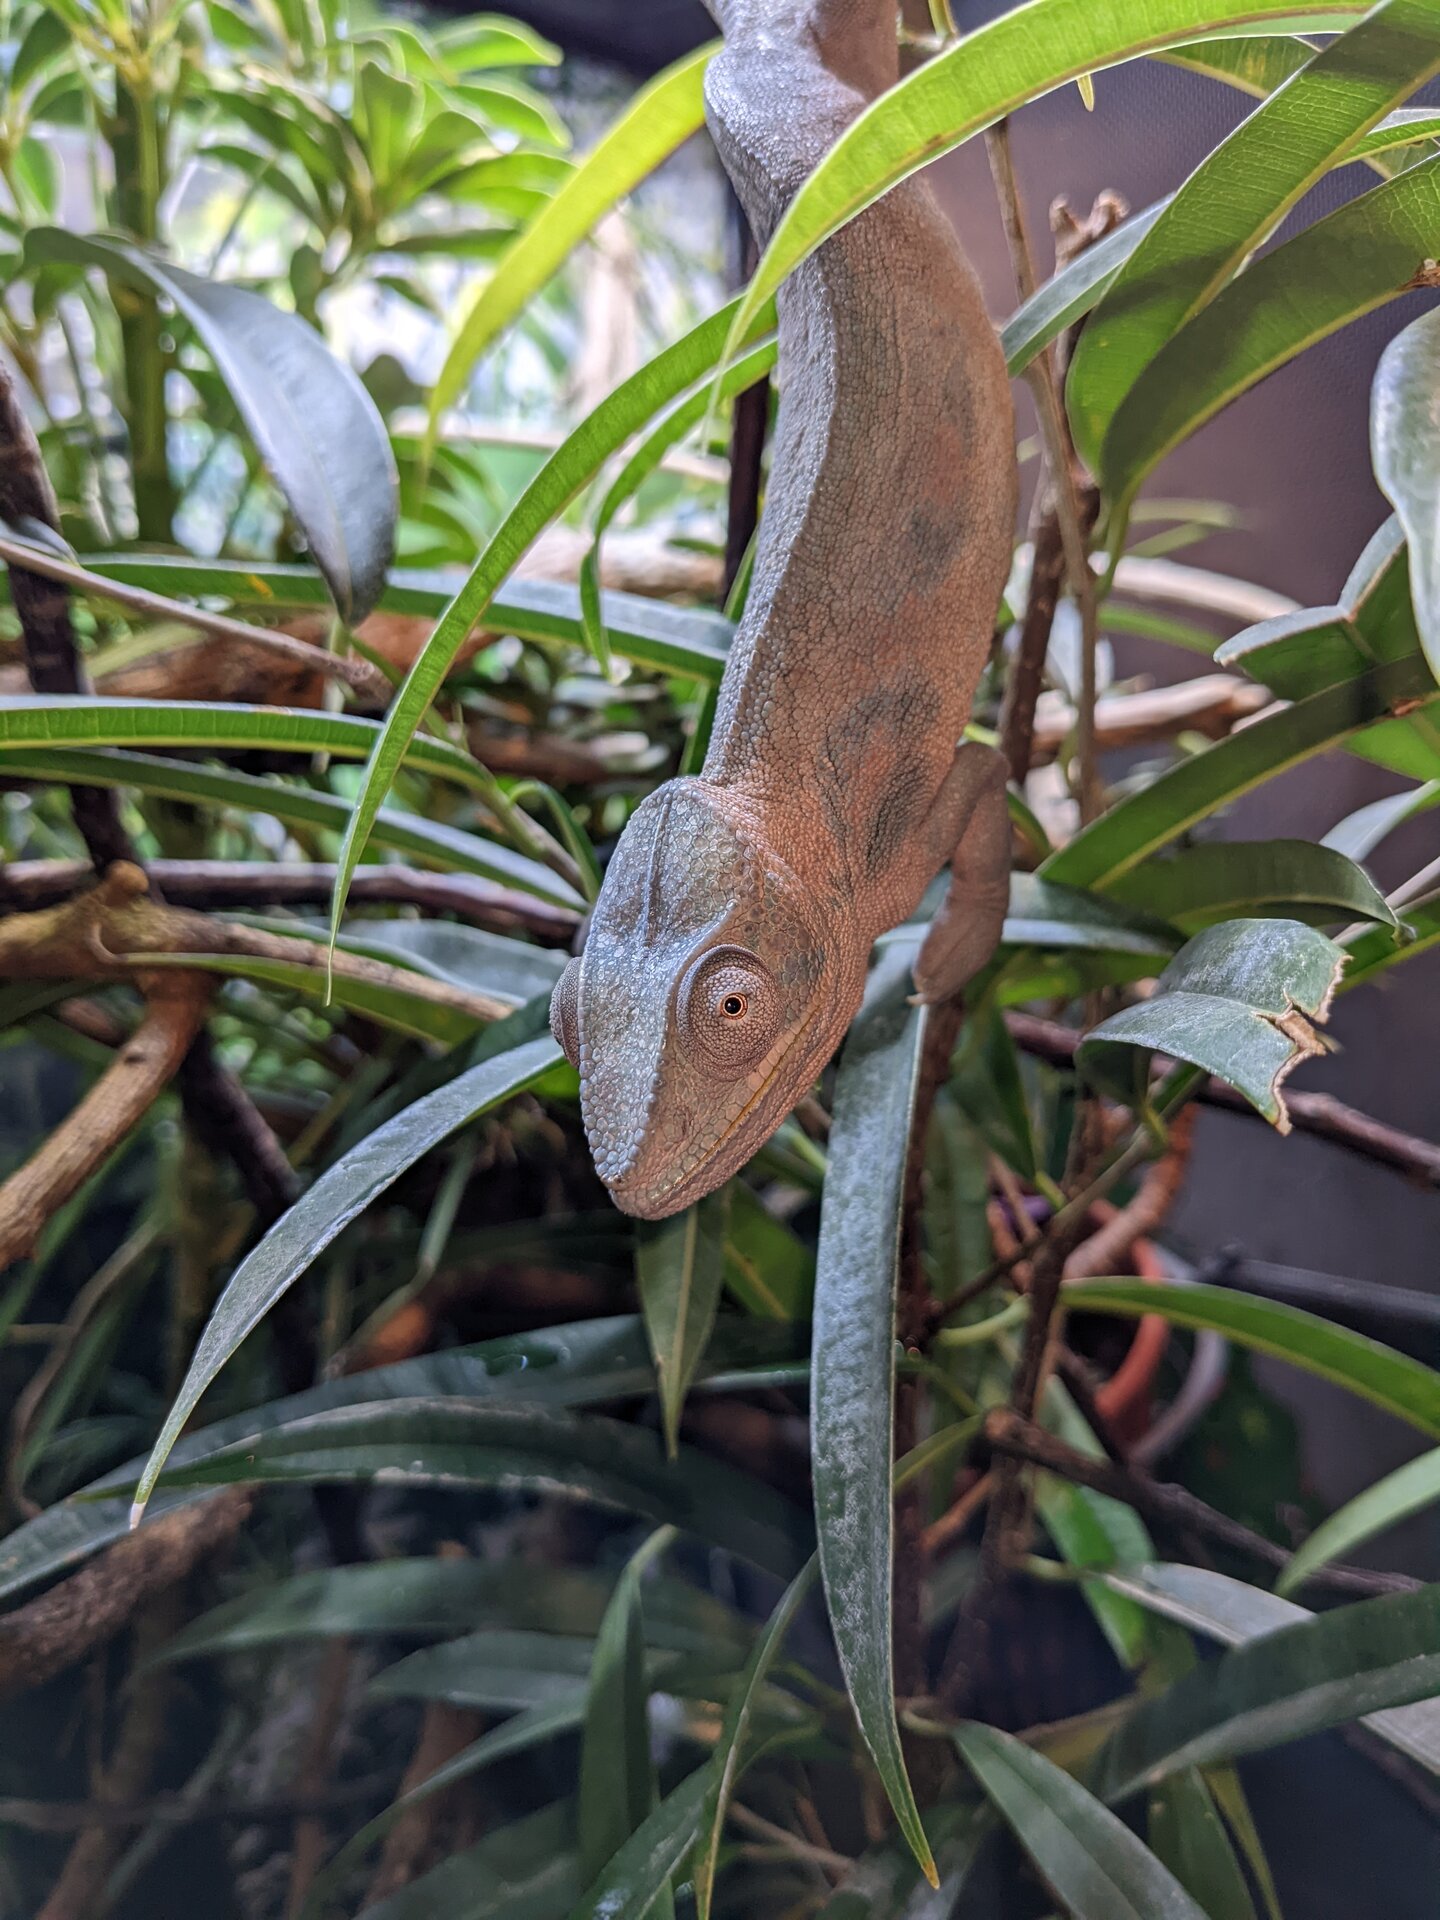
(652, 1202)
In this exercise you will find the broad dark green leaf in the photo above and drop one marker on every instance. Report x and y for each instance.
(499, 1669)
(852, 1395)
(1391, 1380)
(341, 1193)
(667, 639)
(1044, 913)
(636, 1878)
(577, 459)
(768, 1268)
(1218, 878)
(1409, 1489)
(1199, 786)
(1188, 1835)
(1234, 1613)
(580, 1457)
(735, 1733)
(617, 1775)
(425, 1598)
(1405, 447)
(307, 412)
(1297, 1680)
(432, 841)
(594, 1360)
(1240, 193)
(660, 116)
(679, 1264)
(1355, 259)
(1027, 52)
(1238, 1000)
(1087, 1857)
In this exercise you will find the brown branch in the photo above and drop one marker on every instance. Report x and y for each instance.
(178, 1810)
(82, 1613)
(1318, 1114)
(52, 656)
(316, 1766)
(143, 1068)
(1212, 704)
(116, 928)
(414, 1840)
(211, 885)
(1013, 1437)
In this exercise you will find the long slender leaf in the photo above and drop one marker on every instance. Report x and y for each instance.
(1188, 1836)
(1377, 1373)
(579, 1365)
(1297, 1680)
(1234, 1613)
(1407, 1490)
(1345, 265)
(1359, 833)
(730, 1751)
(852, 1396)
(523, 1871)
(1090, 1860)
(658, 119)
(574, 462)
(1027, 52)
(1405, 447)
(1219, 878)
(334, 1200)
(635, 1879)
(1239, 193)
(680, 1263)
(312, 419)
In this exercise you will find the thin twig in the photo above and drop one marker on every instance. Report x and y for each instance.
(1008, 1434)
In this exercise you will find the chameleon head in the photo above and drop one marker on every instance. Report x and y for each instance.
(703, 1007)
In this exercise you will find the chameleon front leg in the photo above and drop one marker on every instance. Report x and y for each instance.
(970, 824)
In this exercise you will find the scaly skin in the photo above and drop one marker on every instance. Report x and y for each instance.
(833, 791)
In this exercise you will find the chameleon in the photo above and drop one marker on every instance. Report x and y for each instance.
(728, 947)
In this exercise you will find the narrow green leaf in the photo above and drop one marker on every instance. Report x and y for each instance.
(1090, 1860)
(1069, 295)
(768, 1267)
(1405, 447)
(1359, 833)
(575, 461)
(635, 1879)
(1377, 950)
(1377, 1373)
(852, 1395)
(679, 1264)
(617, 1774)
(581, 1457)
(1230, 1611)
(578, 1365)
(735, 1733)
(495, 1669)
(439, 845)
(1218, 878)
(524, 1870)
(1238, 1001)
(1297, 1680)
(1407, 1490)
(1238, 195)
(1199, 786)
(884, 1883)
(308, 413)
(341, 1193)
(50, 720)
(658, 119)
(1027, 52)
(1367, 252)
(1188, 1836)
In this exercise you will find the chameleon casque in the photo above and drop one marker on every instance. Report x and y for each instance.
(728, 949)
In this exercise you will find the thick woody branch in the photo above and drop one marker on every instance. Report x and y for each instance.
(1212, 704)
(1005, 1432)
(84, 1612)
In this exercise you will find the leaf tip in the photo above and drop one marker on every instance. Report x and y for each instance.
(137, 1513)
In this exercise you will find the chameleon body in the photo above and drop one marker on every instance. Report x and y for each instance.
(728, 948)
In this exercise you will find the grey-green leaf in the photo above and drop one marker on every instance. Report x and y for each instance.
(1409, 1489)
(1238, 1000)
(1405, 447)
(1090, 1860)
(340, 1193)
(852, 1397)
(308, 413)
(680, 1263)
(639, 1873)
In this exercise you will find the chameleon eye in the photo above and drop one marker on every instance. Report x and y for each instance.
(565, 1013)
(728, 1008)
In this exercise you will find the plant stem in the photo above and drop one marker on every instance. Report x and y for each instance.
(137, 147)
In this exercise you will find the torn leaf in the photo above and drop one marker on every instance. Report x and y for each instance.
(1242, 1000)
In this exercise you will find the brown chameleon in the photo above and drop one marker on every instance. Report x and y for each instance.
(727, 952)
